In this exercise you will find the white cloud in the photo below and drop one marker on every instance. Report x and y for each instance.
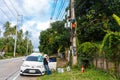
(35, 28)
(43, 25)
(35, 7)
(36, 15)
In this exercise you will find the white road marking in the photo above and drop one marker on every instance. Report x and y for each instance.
(16, 76)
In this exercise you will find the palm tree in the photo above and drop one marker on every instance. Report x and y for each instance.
(9, 36)
(9, 31)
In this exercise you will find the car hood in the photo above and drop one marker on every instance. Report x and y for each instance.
(32, 63)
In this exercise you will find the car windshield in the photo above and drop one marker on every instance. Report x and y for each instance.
(34, 58)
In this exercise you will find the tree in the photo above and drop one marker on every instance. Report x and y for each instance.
(9, 37)
(95, 16)
(86, 52)
(97, 20)
(58, 36)
(111, 48)
(8, 41)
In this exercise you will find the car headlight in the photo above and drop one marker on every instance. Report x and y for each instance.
(24, 65)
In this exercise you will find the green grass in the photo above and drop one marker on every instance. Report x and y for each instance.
(89, 74)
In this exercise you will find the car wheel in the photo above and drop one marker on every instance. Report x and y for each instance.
(21, 74)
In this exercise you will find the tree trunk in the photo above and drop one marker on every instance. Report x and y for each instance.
(106, 65)
(96, 60)
(103, 61)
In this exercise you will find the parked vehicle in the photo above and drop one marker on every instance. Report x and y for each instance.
(33, 65)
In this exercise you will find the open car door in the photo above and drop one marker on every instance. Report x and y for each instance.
(52, 63)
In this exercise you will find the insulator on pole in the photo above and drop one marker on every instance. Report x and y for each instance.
(68, 13)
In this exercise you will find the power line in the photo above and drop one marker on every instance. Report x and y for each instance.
(60, 8)
(60, 12)
(4, 13)
(53, 12)
(63, 14)
(63, 8)
(13, 7)
(9, 8)
(21, 18)
(2, 18)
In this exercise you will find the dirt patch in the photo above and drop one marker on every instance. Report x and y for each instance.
(61, 62)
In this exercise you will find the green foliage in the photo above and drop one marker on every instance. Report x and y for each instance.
(54, 39)
(95, 16)
(116, 18)
(8, 40)
(110, 49)
(8, 54)
(110, 46)
(86, 53)
(1, 43)
(98, 21)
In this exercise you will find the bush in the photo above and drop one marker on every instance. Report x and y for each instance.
(1, 57)
(85, 53)
(10, 54)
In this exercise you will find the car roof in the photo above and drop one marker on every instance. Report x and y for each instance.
(35, 54)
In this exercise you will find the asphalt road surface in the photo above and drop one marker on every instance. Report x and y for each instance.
(10, 68)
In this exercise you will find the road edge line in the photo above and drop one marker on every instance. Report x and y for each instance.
(16, 77)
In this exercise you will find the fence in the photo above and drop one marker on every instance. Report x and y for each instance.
(104, 65)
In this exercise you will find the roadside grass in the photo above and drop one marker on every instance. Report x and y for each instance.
(74, 74)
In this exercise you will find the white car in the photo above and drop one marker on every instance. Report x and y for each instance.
(33, 65)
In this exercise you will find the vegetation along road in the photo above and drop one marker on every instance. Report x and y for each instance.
(76, 74)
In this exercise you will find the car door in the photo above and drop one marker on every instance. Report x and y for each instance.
(52, 63)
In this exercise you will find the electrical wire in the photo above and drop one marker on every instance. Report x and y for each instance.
(64, 12)
(2, 18)
(4, 13)
(16, 12)
(14, 7)
(62, 9)
(59, 10)
(9, 8)
(53, 12)
(63, 15)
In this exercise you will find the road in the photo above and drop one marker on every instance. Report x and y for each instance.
(9, 70)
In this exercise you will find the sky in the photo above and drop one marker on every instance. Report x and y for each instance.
(33, 15)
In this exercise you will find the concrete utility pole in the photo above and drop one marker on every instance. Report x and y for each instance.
(15, 38)
(73, 37)
(27, 47)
